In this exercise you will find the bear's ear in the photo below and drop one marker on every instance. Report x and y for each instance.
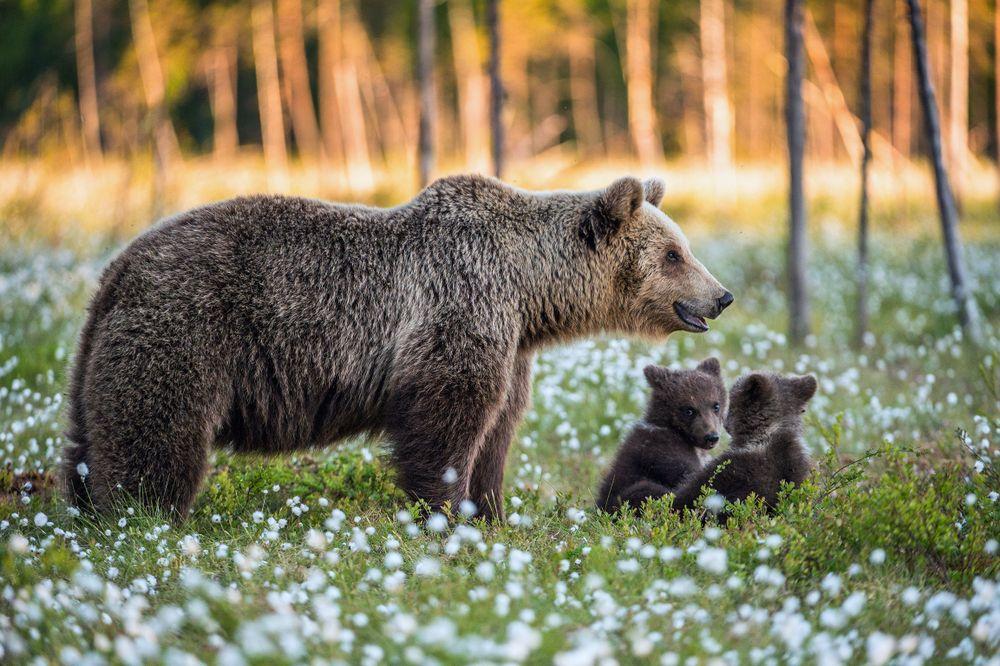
(805, 387)
(614, 207)
(656, 375)
(757, 387)
(711, 366)
(654, 189)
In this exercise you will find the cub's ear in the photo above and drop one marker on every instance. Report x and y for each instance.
(711, 366)
(656, 375)
(805, 387)
(614, 207)
(654, 189)
(757, 387)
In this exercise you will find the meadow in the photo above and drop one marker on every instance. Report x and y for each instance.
(889, 554)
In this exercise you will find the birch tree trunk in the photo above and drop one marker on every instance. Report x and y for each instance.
(222, 97)
(473, 87)
(865, 96)
(328, 17)
(718, 110)
(639, 81)
(425, 79)
(583, 88)
(295, 70)
(902, 86)
(265, 57)
(958, 103)
(798, 296)
(154, 88)
(87, 79)
(964, 303)
(497, 92)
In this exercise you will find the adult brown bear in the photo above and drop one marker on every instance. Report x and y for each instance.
(270, 324)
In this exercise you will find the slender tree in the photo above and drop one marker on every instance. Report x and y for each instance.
(958, 104)
(639, 70)
(967, 313)
(718, 110)
(166, 146)
(268, 87)
(472, 92)
(295, 71)
(425, 79)
(496, 88)
(902, 82)
(996, 78)
(583, 87)
(865, 95)
(87, 78)
(221, 63)
(795, 122)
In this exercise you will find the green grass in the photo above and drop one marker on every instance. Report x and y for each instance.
(889, 550)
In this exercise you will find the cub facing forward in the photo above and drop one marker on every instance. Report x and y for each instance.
(683, 420)
(765, 423)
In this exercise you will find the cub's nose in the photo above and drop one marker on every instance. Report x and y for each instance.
(712, 437)
(725, 300)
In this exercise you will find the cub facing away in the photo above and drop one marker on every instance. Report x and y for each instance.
(683, 421)
(765, 423)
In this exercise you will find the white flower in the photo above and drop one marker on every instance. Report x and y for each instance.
(82, 469)
(437, 522)
(880, 648)
(393, 560)
(877, 556)
(427, 566)
(991, 547)
(315, 539)
(18, 544)
(41, 520)
(715, 503)
(450, 475)
(485, 570)
(713, 560)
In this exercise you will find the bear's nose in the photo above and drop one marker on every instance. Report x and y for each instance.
(712, 437)
(725, 300)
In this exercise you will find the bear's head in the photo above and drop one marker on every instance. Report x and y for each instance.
(658, 285)
(763, 403)
(692, 403)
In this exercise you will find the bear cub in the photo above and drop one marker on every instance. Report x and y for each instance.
(765, 424)
(683, 421)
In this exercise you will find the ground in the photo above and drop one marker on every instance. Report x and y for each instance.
(890, 552)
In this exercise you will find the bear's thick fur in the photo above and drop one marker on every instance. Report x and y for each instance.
(683, 421)
(269, 324)
(765, 423)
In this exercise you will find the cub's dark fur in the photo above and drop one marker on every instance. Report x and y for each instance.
(683, 420)
(269, 324)
(765, 423)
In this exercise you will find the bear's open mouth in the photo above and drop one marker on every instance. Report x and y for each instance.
(695, 323)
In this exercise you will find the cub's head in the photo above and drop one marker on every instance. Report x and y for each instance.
(658, 285)
(761, 404)
(689, 402)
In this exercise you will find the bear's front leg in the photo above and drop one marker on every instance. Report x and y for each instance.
(446, 395)
(486, 488)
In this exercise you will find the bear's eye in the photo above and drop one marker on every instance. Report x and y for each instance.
(688, 411)
(716, 407)
(673, 256)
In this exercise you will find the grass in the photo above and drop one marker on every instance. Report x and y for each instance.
(889, 552)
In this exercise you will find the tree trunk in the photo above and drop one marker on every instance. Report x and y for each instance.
(425, 81)
(902, 86)
(222, 97)
(583, 88)
(718, 111)
(958, 105)
(966, 306)
(865, 97)
(497, 92)
(265, 56)
(154, 88)
(639, 81)
(328, 18)
(996, 79)
(798, 296)
(295, 70)
(473, 88)
(87, 79)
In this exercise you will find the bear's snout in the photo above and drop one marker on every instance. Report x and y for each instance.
(724, 302)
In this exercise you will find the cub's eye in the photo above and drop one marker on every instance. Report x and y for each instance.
(716, 407)
(688, 411)
(673, 256)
